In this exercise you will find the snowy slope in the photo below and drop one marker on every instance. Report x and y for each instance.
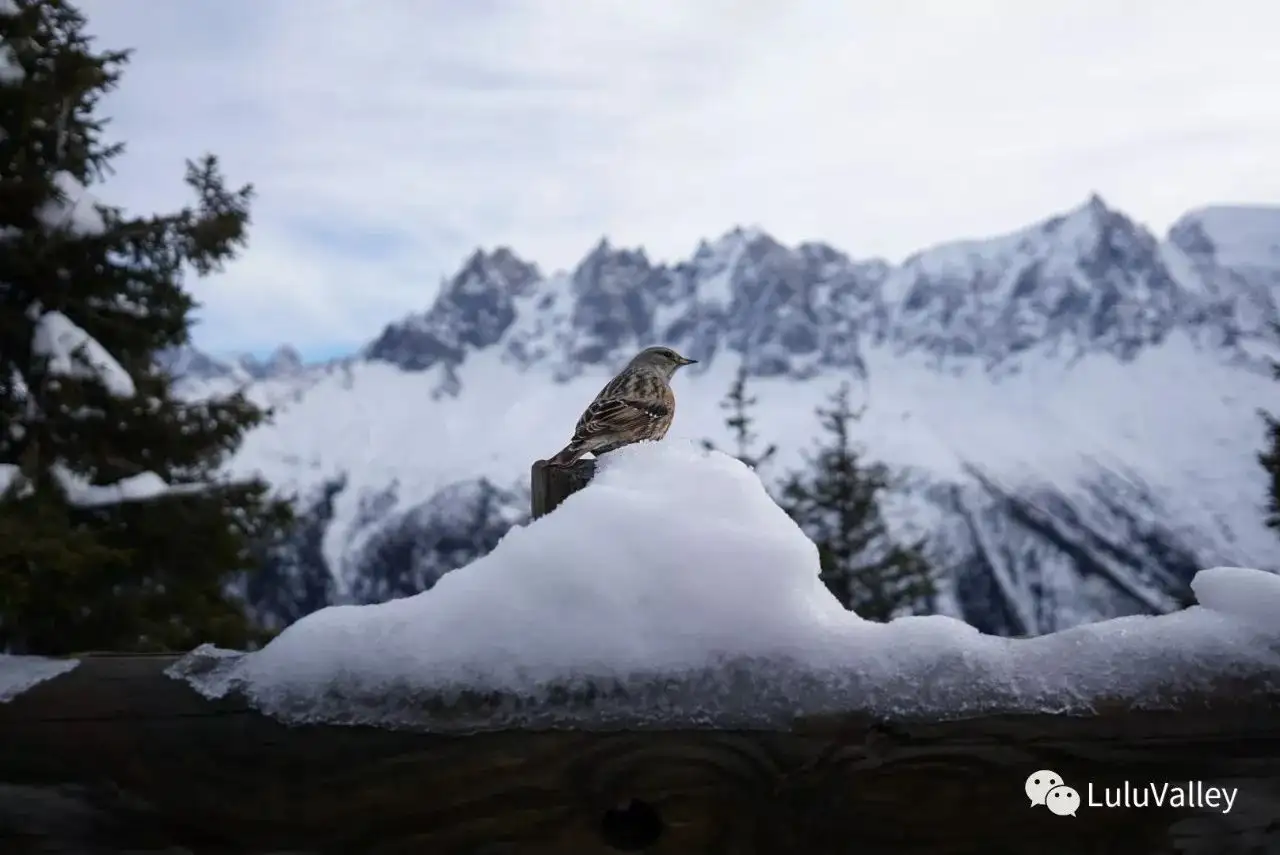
(1073, 406)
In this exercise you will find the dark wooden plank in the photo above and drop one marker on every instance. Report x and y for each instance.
(116, 756)
(551, 485)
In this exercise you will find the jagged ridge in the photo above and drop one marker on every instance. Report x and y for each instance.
(1068, 539)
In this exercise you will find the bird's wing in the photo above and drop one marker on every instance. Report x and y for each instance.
(618, 416)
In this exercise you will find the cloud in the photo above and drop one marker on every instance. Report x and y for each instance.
(387, 140)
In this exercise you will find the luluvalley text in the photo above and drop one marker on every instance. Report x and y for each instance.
(1188, 794)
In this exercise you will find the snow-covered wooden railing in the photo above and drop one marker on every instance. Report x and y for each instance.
(115, 756)
(657, 667)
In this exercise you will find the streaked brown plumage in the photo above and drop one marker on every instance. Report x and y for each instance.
(636, 405)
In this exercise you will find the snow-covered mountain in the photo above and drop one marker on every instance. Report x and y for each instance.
(1073, 406)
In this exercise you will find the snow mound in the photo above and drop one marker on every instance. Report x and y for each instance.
(674, 591)
(20, 673)
(1240, 592)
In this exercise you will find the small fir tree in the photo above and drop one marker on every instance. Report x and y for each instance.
(738, 406)
(836, 501)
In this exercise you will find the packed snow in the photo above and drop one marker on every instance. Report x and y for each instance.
(20, 673)
(1244, 593)
(674, 591)
(72, 352)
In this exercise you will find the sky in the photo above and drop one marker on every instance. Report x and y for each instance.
(387, 140)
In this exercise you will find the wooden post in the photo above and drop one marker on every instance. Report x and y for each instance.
(551, 485)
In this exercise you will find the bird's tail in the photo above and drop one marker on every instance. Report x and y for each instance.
(567, 455)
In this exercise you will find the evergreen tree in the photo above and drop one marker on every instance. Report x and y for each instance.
(837, 503)
(1270, 457)
(738, 404)
(115, 528)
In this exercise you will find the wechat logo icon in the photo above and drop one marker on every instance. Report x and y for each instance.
(1047, 788)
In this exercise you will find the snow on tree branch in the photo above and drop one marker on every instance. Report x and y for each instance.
(11, 71)
(77, 210)
(72, 352)
(11, 476)
(17, 388)
(136, 488)
(79, 493)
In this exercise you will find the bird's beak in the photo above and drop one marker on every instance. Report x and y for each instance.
(687, 361)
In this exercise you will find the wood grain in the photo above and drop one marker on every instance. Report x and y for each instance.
(115, 756)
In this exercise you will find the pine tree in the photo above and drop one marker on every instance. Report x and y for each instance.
(116, 530)
(837, 503)
(1270, 457)
(738, 404)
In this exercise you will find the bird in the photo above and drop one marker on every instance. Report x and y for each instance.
(636, 405)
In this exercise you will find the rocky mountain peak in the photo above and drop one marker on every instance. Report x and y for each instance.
(471, 312)
(500, 271)
(284, 361)
(194, 366)
(1233, 252)
(1234, 235)
(1088, 280)
(615, 292)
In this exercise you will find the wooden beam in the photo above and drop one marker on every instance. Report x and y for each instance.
(551, 485)
(115, 756)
